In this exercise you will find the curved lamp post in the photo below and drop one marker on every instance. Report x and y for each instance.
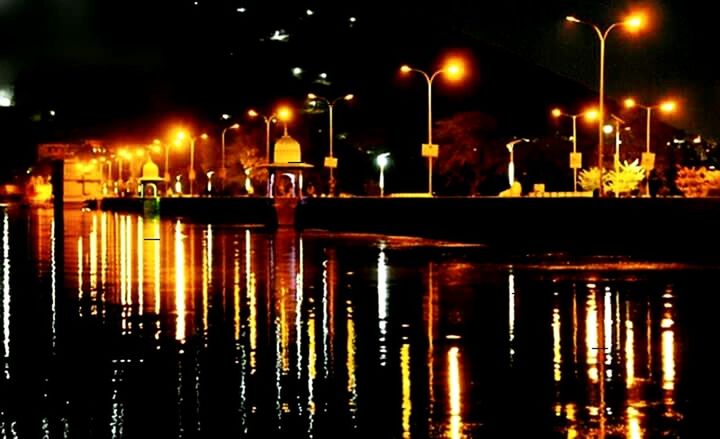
(575, 157)
(330, 161)
(633, 23)
(382, 161)
(223, 171)
(454, 70)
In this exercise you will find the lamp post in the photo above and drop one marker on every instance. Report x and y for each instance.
(618, 121)
(191, 169)
(575, 157)
(330, 161)
(382, 161)
(223, 171)
(633, 23)
(454, 70)
(665, 107)
(511, 166)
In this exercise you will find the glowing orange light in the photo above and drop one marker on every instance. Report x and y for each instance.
(591, 115)
(668, 107)
(253, 113)
(405, 69)
(635, 22)
(556, 112)
(454, 69)
(203, 136)
(629, 103)
(284, 114)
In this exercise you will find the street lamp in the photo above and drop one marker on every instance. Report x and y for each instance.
(511, 166)
(575, 157)
(223, 170)
(283, 114)
(330, 161)
(633, 22)
(454, 70)
(648, 160)
(382, 161)
(191, 170)
(609, 129)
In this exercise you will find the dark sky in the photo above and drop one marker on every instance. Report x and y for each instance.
(160, 38)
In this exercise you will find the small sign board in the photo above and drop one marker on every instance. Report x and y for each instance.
(648, 161)
(331, 162)
(575, 160)
(430, 150)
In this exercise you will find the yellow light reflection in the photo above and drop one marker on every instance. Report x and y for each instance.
(570, 415)
(633, 423)
(591, 337)
(629, 350)
(206, 267)
(6, 290)
(557, 359)
(382, 292)
(454, 392)
(80, 268)
(236, 291)
(140, 266)
(607, 322)
(668, 351)
(511, 314)
(179, 283)
(251, 291)
(93, 264)
(312, 371)
(406, 401)
(351, 379)
(103, 249)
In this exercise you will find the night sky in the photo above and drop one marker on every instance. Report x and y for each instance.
(130, 58)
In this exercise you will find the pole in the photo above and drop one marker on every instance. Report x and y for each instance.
(430, 134)
(574, 123)
(617, 144)
(166, 177)
(222, 157)
(267, 139)
(601, 108)
(191, 171)
(382, 181)
(331, 182)
(647, 149)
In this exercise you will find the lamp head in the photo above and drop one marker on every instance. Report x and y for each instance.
(284, 113)
(312, 96)
(556, 112)
(454, 69)
(629, 103)
(253, 113)
(635, 22)
(572, 19)
(405, 68)
(382, 160)
(235, 126)
(592, 115)
(349, 97)
(203, 136)
(668, 107)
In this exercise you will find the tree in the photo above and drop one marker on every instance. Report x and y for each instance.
(242, 157)
(468, 154)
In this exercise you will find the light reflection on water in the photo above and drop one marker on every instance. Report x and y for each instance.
(194, 330)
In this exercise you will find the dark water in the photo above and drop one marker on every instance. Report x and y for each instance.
(123, 326)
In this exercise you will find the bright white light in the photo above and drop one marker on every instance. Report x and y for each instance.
(309, 12)
(323, 75)
(280, 35)
(52, 112)
(195, 3)
(382, 160)
(297, 71)
(5, 98)
(607, 129)
(353, 19)
(241, 10)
